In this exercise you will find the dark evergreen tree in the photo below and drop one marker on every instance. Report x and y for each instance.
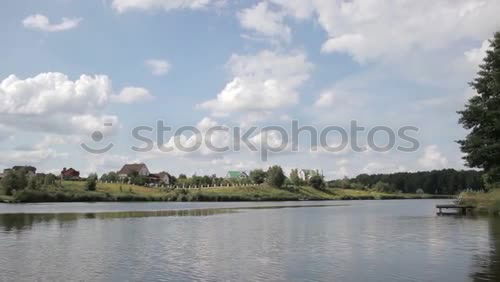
(482, 116)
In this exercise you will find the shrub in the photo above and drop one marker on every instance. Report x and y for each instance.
(317, 182)
(14, 181)
(258, 176)
(49, 179)
(275, 176)
(384, 187)
(91, 183)
(295, 178)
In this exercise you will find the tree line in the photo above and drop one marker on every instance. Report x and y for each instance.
(446, 182)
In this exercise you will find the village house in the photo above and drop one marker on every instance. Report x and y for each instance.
(164, 178)
(70, 174)
(236, 175)
(305, 174)
(141, 169)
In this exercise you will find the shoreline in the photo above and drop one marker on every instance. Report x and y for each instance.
(72, 191)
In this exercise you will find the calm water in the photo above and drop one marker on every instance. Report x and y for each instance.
(316, 241)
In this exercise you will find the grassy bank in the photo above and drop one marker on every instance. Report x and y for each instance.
(74, 191)
(485, 203)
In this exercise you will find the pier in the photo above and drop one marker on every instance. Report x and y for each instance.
(460, 209)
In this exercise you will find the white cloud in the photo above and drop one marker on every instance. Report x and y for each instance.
(35, 156)
(193, 146)
(130, 95)
(299, 9)
(370, 30)
(379, 167)
(475, 56)
(265, 21)
(122, 6)
(50, 92)
(51, 102)
(262, 82)
(325, 100)
(158, 67)
(41, 22)
(104, 163)
(432, 158)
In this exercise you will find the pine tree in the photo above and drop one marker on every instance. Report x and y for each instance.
(482, 116)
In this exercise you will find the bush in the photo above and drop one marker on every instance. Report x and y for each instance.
(317, 182)
(295, 178)
(91, 183)
(49, 179)
(258, 176)
(275, 176)
(384, 187)
(14, 181)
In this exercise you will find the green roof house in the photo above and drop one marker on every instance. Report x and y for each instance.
(234, 174)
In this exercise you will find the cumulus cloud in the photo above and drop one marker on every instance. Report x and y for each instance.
(370, 30)
(130, 95)
(106, 162)
(53, 92)
(325, 100)
(122, 6)
(51, 102)
(158, 67)
(475, 56)
(262, 82)
(34, 156)
(261, 19)
(432, 158)
(41, 22)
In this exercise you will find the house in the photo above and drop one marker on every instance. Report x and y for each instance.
(70, 174)
(305, 174)
(164, 178)
(234, 174)
(161, 178)
(129, 169)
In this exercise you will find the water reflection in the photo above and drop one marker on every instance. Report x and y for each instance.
(489, 264)
(22, 221)
(360, 241)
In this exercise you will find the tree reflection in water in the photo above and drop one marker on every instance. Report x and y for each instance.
(22, 221)
(489, 264)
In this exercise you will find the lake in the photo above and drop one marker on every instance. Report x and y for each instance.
(399, 240)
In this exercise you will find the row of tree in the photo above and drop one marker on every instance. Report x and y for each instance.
(16, 180)
(446, 181)
(274, 176)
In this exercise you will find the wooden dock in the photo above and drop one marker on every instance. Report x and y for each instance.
(460, 209)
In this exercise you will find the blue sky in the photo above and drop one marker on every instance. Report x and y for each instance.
(69, 66)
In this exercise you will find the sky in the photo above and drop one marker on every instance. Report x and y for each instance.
(72, 68)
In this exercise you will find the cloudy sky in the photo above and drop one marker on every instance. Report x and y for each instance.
(70, 68)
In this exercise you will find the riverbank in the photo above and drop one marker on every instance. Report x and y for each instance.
(485, 203)
(74, 191)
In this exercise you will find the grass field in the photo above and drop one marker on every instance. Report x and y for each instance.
(74, 191)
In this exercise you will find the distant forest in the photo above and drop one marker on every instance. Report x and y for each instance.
(446, 181)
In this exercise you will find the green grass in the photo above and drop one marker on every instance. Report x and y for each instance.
(485, 203)
(74, 191)
(6, 199)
